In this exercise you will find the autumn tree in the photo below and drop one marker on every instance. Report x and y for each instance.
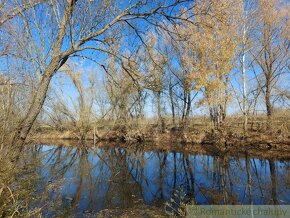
(244, 25)
(212, 42)
(245, 47)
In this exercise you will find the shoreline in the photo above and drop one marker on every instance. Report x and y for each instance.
(194, 137)
(251, 147)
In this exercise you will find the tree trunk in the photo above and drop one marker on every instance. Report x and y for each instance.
(224, 108)
(172, 103)
(183, 106)
(36, 105)
(159, 106)
(245, 110)
(268, 104)
(57, 60)
(219, 108)
(188, 106)
(161, 123)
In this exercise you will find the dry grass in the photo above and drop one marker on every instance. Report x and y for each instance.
(15, 189)
(201, 124)
(140, 210)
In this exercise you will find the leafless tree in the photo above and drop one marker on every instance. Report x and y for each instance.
(55, 31)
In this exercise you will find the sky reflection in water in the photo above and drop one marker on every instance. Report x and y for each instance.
(83, 180)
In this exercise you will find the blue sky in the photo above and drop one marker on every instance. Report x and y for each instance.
(128, 43)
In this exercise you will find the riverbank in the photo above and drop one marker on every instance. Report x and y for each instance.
(279, 152)
(218, 141)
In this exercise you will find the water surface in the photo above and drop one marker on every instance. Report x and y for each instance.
(81, 180)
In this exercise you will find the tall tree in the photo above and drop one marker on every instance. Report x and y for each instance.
(56, 31)
(212, 43)
(272, 40)
(154, 77)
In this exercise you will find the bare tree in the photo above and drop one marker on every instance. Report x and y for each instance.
(154, 61)
(9, 9)
(272, 53)
(73, 27)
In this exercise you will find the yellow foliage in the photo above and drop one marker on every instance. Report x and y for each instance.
(211, 43)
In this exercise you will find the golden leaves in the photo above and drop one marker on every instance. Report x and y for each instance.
(210, 45)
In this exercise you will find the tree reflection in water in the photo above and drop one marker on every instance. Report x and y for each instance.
(82, 179)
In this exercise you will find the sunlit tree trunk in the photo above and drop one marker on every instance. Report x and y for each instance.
(57, 60)
(36, 106)
(245, 110)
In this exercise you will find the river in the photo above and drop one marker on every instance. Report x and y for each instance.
(77, 180)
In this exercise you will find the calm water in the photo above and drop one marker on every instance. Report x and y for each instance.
(77, 180)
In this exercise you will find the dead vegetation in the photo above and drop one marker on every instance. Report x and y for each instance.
(17, 186)
(199, 131)
(140, 210)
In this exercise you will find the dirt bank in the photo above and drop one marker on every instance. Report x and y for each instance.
(263, 151)
(222, 139)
